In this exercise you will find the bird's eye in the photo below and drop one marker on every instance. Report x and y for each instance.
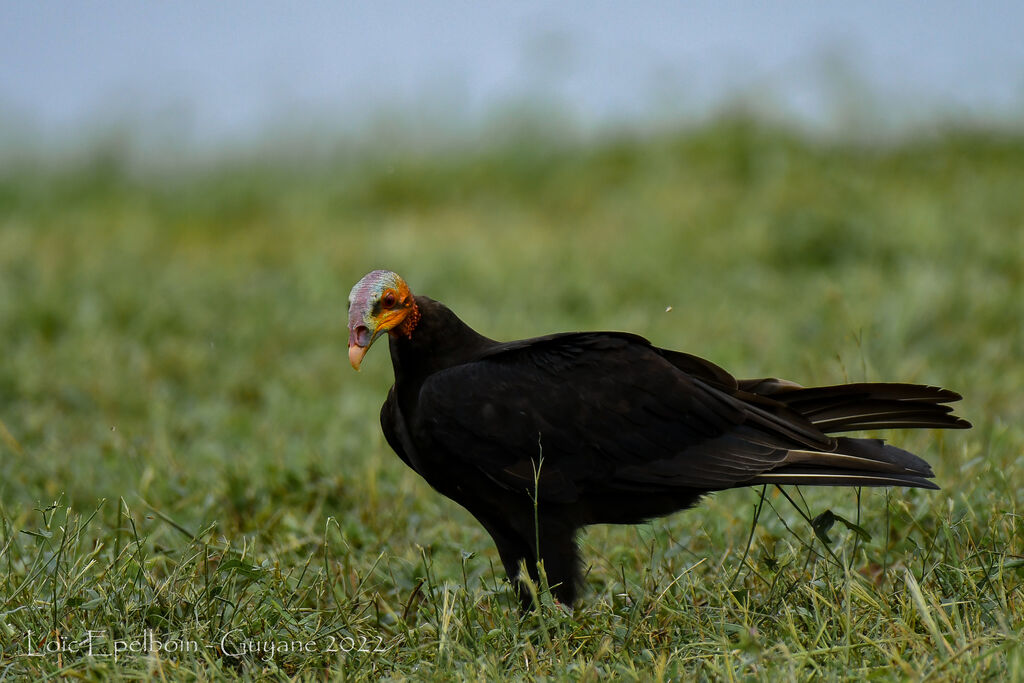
(388, 301)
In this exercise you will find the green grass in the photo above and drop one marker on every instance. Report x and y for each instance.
(184, 450)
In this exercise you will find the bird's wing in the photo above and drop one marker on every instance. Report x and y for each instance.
(596, 411)
(395, 432)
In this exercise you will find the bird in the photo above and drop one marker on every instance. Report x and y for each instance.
(541, 437)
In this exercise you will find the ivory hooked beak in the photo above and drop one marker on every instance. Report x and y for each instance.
(355, 355)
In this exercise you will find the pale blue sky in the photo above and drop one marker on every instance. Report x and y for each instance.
(225, 70)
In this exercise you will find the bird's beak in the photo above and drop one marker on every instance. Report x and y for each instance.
(360, 338)
(355, 355)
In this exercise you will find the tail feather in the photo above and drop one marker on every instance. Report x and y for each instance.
(891, 390)
(879, 414)
(812, 476)
(854, 407)
(854, 462)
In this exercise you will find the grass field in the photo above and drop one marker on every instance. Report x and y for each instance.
(189, 466)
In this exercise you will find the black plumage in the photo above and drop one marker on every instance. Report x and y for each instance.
(541, 437)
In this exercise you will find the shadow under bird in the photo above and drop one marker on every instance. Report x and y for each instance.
(541, 437)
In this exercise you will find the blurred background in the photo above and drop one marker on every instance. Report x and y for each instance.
(825, 192)
(200, 76)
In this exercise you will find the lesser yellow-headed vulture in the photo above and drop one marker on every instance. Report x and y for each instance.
(541, 437)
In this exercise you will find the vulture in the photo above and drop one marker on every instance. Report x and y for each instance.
(541, 437)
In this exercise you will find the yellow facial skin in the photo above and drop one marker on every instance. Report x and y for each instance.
(380, 302)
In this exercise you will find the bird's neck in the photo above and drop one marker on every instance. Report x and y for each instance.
(439, 340)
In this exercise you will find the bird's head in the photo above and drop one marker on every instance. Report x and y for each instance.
(380, 302)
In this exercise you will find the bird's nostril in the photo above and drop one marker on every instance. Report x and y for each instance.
(361, 334)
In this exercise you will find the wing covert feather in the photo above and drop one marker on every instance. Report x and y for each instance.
(604, 413)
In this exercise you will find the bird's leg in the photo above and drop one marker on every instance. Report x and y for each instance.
(558, 552)
(514, 552)
(560, 557)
